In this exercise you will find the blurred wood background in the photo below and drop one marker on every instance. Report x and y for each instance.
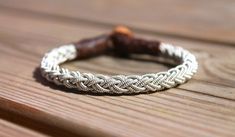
(30, 106)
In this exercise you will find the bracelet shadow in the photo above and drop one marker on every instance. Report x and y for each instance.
(40, 79)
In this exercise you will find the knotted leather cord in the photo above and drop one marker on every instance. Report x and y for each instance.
(121, 41)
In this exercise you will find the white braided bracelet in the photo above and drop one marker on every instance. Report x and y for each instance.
(118, 84)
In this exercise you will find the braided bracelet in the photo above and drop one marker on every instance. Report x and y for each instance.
(121, 41)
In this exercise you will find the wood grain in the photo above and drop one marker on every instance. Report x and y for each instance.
(205, 106)
(201, 20)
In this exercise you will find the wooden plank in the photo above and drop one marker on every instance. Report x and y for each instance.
(203, 50)
(200, 20)
(197, 108)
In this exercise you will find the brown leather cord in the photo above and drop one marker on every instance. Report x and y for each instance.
(92, 46)
(120, 41)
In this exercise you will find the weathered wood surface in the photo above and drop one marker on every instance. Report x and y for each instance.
(29, 105)
(203, 20)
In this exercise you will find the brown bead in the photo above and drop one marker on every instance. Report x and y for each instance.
(123, 30)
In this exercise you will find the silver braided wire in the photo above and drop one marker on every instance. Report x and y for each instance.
(118, 84)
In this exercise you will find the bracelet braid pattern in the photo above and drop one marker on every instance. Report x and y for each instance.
(118, 84)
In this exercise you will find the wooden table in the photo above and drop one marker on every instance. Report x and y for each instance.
(30, 106)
